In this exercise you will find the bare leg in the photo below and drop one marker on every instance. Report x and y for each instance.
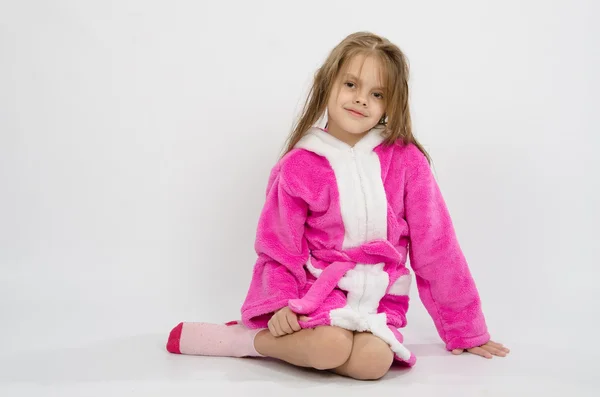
(322, 348)
(370, 359)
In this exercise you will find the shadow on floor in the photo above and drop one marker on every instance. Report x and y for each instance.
(144, 357)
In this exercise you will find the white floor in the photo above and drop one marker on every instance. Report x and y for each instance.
(139, 366)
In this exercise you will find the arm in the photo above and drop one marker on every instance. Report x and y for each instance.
(282, 252)
(444, 281)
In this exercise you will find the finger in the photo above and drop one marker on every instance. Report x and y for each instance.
(499, 346)
(293, 322)
(303, 318)
(498, 352)
(276, 327)
(480, 352)
(457, 351)
(493, 350)
(284, 326)
(272, 328)
(495, 344)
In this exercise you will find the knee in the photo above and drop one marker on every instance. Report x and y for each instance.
(370, 361)
(330, 347)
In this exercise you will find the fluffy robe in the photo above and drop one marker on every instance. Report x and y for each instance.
(334, 235)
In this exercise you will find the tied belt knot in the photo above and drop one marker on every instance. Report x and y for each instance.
(340, 262)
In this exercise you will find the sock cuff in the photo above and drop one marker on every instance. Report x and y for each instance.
(255, 332)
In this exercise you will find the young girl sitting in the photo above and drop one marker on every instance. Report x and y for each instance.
(345, 207)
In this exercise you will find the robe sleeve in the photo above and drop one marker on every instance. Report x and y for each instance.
(282, 250)
(444, 281)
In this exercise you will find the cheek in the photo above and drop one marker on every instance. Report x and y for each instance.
(333, 101)
(344, 98)
(379, 109)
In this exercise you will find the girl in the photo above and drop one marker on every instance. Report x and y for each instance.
(345, 206)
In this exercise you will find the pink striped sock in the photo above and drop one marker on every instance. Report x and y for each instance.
(205, 339)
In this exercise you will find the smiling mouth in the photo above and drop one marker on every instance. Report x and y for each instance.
(355, 113)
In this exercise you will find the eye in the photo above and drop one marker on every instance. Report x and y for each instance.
(349, 84)
(378, 95)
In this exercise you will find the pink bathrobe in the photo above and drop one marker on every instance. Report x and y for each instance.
(334, 236)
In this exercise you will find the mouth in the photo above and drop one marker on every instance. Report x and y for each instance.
(355, 113)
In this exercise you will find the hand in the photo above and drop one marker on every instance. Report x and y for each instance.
(284, 322)
(486, 350)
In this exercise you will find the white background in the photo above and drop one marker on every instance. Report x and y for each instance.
(136, 139)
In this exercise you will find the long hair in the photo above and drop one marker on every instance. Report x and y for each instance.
(395, 76)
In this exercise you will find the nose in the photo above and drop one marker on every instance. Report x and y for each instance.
(360, 99)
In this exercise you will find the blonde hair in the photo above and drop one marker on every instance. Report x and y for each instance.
(395, 69)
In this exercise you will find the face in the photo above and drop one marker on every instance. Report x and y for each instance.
(356, 103)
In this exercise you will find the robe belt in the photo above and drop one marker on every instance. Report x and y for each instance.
(340, 262)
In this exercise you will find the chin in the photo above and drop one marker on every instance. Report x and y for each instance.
(356, 129)
(351, 125)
